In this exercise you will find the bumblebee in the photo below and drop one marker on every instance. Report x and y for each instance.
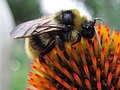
(43, 34)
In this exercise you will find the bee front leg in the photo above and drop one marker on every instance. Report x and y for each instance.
(60, 43)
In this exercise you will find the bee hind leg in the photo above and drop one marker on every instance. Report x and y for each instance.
(41, 59)
(46, 51)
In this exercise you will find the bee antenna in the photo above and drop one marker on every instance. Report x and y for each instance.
(98, 38)
(100, 19)
(95, 19)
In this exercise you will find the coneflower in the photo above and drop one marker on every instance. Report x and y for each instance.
(83, 66)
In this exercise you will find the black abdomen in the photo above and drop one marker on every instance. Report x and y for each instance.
(40, 42)
(35, 42)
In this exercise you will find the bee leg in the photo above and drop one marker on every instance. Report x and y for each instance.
(77, 39)
(60, 43)
(46, 51)
(41, 59)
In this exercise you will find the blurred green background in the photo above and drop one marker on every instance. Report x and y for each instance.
(24, 10)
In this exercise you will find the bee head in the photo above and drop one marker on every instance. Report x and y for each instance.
(88, 29)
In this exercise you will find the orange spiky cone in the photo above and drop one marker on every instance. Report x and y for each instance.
(84, 66)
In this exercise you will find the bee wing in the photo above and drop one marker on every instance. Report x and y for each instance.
(51, 26)
(33, 27)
